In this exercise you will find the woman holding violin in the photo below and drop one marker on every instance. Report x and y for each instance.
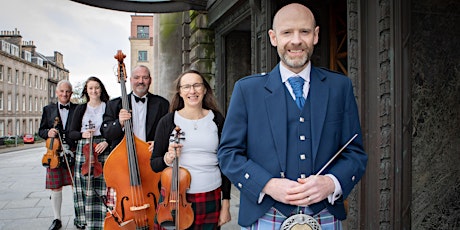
(92, 151)
(194, 110)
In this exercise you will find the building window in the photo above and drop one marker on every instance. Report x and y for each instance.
(30, 80)
(9, 102)
(31, 126)
(36, 104)
(17, 77)
(36, 81)
(24, 103)
(17, 102)
(30, 103)
(10, 72)
(142, 55)
(142, 31)
(2, 128)
(18, 127)
(23, 78)
(1, 72)
(1, 100)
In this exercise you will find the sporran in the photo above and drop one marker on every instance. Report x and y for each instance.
(300, 222)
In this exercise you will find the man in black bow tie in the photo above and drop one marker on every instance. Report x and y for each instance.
(58, 177)
(146, 110)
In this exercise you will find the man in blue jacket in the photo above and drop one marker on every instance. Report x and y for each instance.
(283, 127)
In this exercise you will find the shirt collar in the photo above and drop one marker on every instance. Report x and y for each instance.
(305, 73)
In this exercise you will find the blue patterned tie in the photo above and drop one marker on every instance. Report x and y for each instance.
(297, 87)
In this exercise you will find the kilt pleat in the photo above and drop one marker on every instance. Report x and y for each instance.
(89, 208)
(273, 219)
(58, 177)
(206, 208)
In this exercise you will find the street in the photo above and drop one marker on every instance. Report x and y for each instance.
(24, 201)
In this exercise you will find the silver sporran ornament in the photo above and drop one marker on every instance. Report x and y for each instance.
(300, 222)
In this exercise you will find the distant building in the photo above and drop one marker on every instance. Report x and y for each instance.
(141, 42)
(28, 82)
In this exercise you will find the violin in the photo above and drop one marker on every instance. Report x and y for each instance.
(91, 161)
(127, 170)
(53, 147)
(174, 210)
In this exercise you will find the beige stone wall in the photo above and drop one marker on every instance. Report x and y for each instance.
(35, 97)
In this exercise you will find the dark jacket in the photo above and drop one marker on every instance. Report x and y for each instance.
(50, 112)
(111, 129)
(76, 124)
(164, 129)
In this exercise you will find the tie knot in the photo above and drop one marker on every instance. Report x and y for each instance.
(141, 99)
(64, 106)
(297, 85)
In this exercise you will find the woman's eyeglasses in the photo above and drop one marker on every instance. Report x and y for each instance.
(196, 87)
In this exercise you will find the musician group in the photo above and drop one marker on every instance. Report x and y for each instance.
(140, 162)
(95, 134)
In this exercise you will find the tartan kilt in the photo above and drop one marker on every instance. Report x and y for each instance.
(89, 208)
(206, 209)
(58, 177)
(273, 219)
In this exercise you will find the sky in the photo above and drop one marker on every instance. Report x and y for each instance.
(87, 37)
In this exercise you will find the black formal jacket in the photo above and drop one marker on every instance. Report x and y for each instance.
(75, 125)
(111, 129)
(50, 112)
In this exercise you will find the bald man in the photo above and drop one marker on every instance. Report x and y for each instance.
(283, 127)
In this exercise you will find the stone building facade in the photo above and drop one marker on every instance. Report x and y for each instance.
(28, 82)
(141, 41)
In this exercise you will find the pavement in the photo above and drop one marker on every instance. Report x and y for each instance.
(24, 201)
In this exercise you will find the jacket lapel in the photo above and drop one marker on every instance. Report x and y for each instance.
(151, 115)
(319, 97)
(276, 108)
(55, 113)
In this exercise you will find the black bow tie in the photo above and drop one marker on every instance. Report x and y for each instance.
(141, 99)
(64, 107)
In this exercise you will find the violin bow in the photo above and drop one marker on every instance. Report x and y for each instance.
(65, 156)
(90, 160)
(337, 154)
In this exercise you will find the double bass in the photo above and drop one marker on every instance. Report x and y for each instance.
(128, 171)
(53, 146)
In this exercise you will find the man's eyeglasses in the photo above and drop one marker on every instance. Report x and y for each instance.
(196, 87)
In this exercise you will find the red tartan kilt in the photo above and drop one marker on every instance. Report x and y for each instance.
(206, 209)
(58, 177)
